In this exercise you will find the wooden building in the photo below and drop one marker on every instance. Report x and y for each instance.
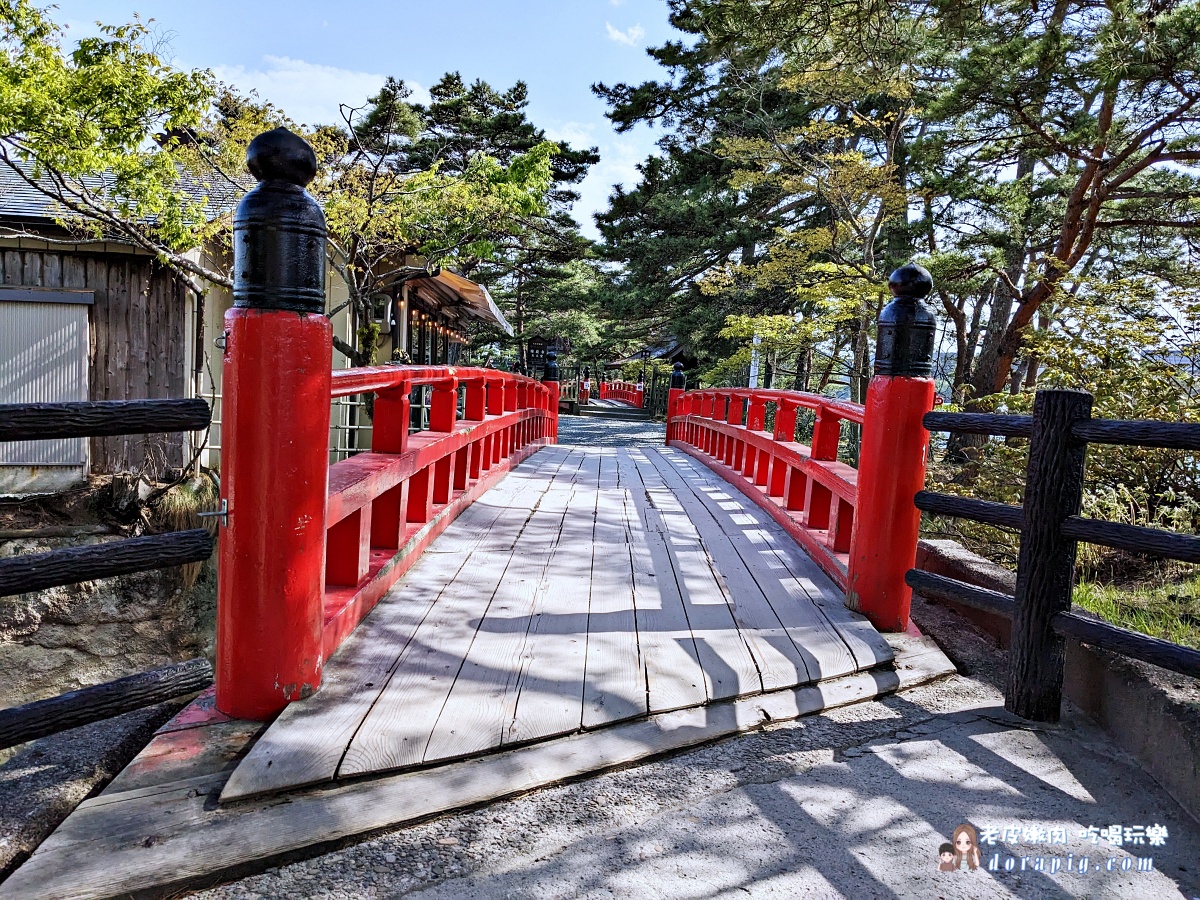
(89, 322)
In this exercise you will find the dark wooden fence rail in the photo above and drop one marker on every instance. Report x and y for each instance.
(101, 418)
(37, 571)
(1050, 525)
(102, 701)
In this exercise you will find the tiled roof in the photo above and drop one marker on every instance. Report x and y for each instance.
(20, 200)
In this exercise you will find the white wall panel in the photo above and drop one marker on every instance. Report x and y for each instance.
(43, 359)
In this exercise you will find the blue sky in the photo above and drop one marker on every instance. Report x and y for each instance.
(308, 56)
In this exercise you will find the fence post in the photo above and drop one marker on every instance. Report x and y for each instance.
(275, 459)
(891, 469)
(1046, 562)
(550, 380)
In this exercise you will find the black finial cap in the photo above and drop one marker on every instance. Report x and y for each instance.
(279, 230)
(280, 155)
(907, 326)
(911, 281)
(678, 378)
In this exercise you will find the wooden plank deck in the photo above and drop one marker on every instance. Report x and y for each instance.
(592, 586)
(596, 608)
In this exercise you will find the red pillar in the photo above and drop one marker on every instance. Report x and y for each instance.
(275, 436)
(891, 470)
(552, 394)
(674, 404)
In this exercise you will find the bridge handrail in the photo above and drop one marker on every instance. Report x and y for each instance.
(410, 479)
(624, 391)
(347, 382)
(843, 409)
(805, 488)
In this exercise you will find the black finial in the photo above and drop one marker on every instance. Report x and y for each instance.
(911, 281)
(550, 372)
(906, 326)
(279, 230)
(678, 379)
(280, 155)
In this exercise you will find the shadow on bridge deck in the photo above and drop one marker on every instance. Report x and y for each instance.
(599, 606)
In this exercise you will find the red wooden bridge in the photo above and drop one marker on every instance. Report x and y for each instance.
(467, 611)
(473, 610)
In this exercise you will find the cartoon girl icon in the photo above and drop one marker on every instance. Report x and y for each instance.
(966, 847)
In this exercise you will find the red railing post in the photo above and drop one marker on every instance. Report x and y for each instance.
(827, 434)
(892, 457)
(475, 408)
(737, 408)
(443, 405)
(550, 382)
(495, 407)
(785, 432)
(275, 435)
(389, 434)
(443, 411)
(756, 415)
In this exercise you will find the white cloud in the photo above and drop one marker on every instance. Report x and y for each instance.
(617, 2)
(308, 92)
(619, 157)
(630, 36)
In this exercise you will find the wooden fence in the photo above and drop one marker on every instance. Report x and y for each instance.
(1059, 431)
(37, 571)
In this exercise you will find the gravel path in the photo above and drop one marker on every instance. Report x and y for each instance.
(592, 431)
(853, 803)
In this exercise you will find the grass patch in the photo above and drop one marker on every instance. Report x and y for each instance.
(1170, 611)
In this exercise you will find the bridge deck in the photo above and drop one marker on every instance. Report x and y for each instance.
(591, 586)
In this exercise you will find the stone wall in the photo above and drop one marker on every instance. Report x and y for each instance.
(65, 638)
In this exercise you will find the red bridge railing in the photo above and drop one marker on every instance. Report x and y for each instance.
(855, 523)
(306, 548)
(304, 558)
(815, 495)
(859, 524)
(385, 506)
(624, 391)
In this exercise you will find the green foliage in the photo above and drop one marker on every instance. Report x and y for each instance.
(536, 268)
(98, 129)
(125, 146)
(1170, 611)
(1137, 350)
(1022, 148)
